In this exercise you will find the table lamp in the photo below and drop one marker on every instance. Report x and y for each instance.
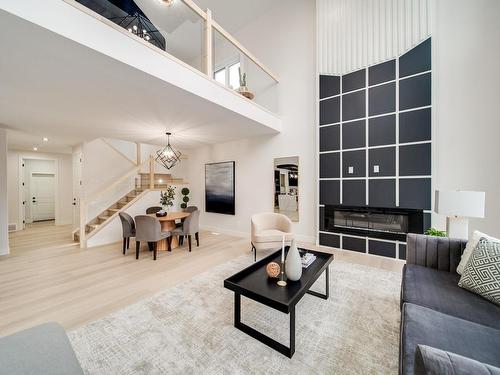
(458, 206)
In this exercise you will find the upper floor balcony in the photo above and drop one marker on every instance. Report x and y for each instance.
(202, 82)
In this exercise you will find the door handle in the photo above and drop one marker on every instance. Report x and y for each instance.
(74, 203)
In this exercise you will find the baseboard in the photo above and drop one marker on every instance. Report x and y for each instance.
(4, 251)
(226, 231)
(65, 222)
(299, 237)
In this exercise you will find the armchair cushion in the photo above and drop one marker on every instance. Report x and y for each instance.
(272, 235)
(268, 229)
(439, 291)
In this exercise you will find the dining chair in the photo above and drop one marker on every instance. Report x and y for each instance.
(189, 209)
(128, 228)
(268, 229)
(190, 227)
(153, 210)
(148, 229)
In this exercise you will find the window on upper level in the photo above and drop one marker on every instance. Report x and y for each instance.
(229, 75)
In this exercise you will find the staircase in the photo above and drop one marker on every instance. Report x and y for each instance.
(161, 181)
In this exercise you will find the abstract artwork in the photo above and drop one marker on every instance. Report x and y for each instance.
(219, 188)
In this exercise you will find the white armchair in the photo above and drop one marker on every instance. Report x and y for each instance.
(268, 229)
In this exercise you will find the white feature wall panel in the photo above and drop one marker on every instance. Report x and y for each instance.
(353, 34)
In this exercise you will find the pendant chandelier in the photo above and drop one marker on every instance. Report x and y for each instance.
(167, 156)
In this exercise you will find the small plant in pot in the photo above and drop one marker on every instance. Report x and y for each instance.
(435, 232)
(167, 198)
(185, 198)
(243, 89)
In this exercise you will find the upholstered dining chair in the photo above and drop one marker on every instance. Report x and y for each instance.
(189, 209)
(268, 229)
(190, 226)
(148, 229)
(128, 228)
(153, 210)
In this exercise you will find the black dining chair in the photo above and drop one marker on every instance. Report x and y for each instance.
(148, 229)
(128, 228)
(153, 210)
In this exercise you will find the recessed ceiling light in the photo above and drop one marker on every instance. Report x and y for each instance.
(45, 139)
(35, 148)
(167, 2)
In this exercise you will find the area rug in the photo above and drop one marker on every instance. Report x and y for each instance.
(188, 329)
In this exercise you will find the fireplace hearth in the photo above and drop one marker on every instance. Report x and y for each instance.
(376, 222)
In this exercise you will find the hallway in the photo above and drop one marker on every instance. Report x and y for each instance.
(40, 235)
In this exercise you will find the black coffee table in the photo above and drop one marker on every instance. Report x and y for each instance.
(253, 282)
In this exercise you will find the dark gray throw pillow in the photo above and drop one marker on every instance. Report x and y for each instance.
(482, 272)
(432, 361)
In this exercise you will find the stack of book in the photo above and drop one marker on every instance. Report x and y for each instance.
(307, 259)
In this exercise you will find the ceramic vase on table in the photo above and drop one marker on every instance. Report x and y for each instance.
(293, 264)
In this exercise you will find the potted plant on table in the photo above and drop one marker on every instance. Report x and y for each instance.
(185, 198)
(435, 232)
(243, 89)
(167, 198)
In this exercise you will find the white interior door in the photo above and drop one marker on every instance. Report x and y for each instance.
(42, 196)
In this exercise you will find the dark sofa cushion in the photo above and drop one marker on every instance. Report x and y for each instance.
(439, 291)
(429, 361)
(423, 326)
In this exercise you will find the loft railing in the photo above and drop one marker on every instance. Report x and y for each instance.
(188, 33)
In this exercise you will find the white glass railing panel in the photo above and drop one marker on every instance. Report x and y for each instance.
(235, 70)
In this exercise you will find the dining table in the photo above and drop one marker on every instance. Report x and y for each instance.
(167, 225)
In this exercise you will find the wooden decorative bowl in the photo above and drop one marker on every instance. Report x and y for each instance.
(273, 269)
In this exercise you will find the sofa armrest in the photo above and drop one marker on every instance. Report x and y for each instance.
(430, 361)
(44, 349)
(441, 253)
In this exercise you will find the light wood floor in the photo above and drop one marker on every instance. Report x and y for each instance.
(47, 277)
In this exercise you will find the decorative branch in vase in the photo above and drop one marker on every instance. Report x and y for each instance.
(243, 89)
(167, 198)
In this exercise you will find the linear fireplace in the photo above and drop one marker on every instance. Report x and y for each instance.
(384, 223)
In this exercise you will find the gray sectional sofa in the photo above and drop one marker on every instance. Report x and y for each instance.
(437, 313)
(44, 350)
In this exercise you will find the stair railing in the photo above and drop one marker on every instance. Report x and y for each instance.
(86, 200)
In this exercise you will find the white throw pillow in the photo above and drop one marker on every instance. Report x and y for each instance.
(471, 245)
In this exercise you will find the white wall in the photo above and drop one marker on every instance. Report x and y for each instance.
(283, 39)
(467, 103)
(64, 190)
(4, 236)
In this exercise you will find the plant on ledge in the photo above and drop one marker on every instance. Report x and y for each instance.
(167, 198)
(243, 89)
(435, 232)
(185, 198)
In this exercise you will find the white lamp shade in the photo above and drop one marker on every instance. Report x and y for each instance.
(460, 203)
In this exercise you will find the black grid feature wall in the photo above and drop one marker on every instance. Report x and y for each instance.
(375, 143)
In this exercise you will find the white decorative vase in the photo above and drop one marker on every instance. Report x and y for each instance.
(293, 265)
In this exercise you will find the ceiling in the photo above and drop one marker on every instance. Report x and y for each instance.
(53, 87)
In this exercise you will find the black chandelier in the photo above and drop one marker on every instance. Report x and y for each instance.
(167, 156)
(141, 26)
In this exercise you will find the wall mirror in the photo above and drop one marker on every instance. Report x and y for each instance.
(286, 187)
